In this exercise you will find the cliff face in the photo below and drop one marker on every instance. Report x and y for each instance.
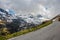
(56, 18)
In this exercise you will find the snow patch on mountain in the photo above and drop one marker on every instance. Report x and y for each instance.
(28, 17)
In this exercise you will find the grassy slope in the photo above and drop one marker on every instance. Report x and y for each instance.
(28, 30)
(2, 38)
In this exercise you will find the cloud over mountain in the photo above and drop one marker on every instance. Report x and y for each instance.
(47, 8)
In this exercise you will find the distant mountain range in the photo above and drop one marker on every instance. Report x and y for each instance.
(28, 18)
(16, 23)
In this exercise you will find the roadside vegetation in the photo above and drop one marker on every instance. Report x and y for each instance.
(2, 38)
(28, 30)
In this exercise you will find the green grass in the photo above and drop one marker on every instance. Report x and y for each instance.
(28, 30)
(2, 38)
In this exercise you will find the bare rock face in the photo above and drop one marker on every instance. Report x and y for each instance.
(56, 18)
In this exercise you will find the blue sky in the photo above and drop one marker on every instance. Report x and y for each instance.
(47, 8)
(11, 11)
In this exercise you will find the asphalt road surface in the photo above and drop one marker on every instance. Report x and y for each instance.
(51, 32)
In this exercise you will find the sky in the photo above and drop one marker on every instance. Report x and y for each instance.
(46, 8)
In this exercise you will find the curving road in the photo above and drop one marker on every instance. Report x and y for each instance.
(51, 32)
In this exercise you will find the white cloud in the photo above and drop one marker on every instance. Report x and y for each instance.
(48, 8)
